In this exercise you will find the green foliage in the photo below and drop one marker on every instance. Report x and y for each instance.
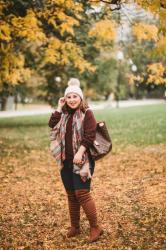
(106, 76)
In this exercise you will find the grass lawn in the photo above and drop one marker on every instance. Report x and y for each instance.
(139, 126)
(128, 185)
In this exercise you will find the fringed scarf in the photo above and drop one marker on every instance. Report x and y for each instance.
(57, 146)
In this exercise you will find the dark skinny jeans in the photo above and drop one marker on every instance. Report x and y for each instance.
(72, 181)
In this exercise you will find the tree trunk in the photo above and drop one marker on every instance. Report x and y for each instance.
(15, 102)
(3, 103)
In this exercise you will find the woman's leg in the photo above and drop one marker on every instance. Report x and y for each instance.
(83, 195)
(86, 201)
(73, 204)
(74, 212)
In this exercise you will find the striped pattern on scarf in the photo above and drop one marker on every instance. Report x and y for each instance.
(57, 146)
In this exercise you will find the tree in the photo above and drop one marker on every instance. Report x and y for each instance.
(52, 38)
(149, 32)
(45, 32)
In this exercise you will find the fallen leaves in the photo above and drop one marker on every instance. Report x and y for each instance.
(128, 187)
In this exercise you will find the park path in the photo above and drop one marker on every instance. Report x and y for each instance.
(45, 109)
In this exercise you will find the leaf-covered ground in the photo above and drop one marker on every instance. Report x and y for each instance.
(128, 187)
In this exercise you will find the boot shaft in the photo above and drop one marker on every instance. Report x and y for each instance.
(86, 201)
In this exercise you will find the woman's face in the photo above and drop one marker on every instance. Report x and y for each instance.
(73, 100)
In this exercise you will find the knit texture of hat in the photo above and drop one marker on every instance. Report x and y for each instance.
(74, 87)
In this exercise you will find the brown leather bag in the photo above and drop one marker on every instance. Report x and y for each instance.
(102, 144)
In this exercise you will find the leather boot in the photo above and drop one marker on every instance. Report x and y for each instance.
(74, 212)
(95, 233)
(88, 205)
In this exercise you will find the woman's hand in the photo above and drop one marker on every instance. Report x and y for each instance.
(78, 161)
(84, 178)
(61, 103)
(78, 158)
(79, 155)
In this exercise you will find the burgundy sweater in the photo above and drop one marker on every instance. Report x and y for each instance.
(89, 131)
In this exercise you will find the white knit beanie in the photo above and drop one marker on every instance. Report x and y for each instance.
(74, 87)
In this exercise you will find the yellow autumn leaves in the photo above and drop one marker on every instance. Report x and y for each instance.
(20, 32)
(4, 32)
(13, 70)
(104, 31)
(145, 32)
(59, 48)
(156, 72)
(64, 53)
(28, 27)
(23, 27)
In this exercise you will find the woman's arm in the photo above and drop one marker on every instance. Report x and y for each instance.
(54, 119)
(89, 129)
(56, 116)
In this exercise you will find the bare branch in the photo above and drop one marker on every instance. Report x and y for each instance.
(117, 2)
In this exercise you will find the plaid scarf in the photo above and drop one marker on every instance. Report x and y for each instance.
(57, 146)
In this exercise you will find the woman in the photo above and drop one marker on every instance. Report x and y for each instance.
(74, 132)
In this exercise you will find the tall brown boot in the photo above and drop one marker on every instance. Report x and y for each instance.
(88, 205)
(74, 212)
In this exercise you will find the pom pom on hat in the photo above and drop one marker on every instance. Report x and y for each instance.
(74, 87)
(73, 82)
